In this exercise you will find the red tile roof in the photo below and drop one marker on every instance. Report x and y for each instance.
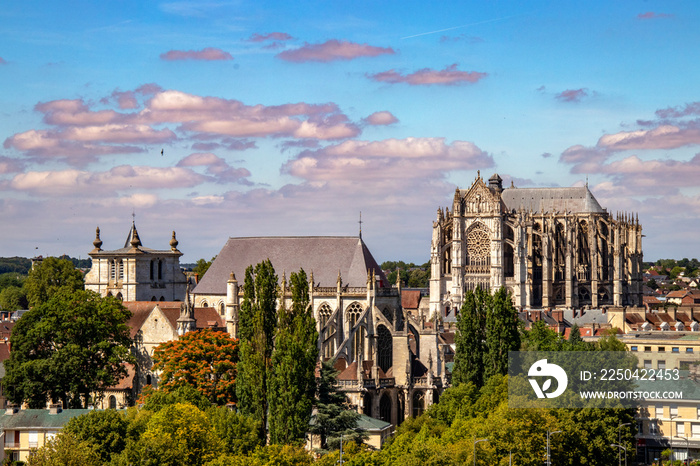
(410, 299)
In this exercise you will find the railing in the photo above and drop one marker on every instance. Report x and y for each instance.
(33, 444)
(387, 382)
(420, 381)
(11, 444)
(347, 383)
(369, 383)
(484, 269)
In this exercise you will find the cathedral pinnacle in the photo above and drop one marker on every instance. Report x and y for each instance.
(173, 243)
(98, 242)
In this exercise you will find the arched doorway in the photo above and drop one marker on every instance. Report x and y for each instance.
(385, 408)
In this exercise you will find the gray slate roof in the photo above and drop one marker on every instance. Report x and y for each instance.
(38, 419)
(324, 255)
(576, 200)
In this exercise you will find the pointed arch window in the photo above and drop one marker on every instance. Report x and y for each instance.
(385, 348)
(353, 312)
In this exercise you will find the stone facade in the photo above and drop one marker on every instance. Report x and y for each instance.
(392, 365)
(136, 273)
(550, 247)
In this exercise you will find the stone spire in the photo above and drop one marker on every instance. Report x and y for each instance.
(186, 322)
(173, 243)
(98, 242)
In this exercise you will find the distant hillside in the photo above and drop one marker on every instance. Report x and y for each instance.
(22, 265)
(19, 265)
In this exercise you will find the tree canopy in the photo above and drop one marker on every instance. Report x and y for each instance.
(50, 275)
(257, 323)
(292, 379)
(74, 344)
(205, 359)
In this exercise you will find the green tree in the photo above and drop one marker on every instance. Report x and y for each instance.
(292, 380)
(49, 276)
(106, 430)
(65, 449)
(239, 433)
(333, 419)
(541, 338)
(257, 322)
(155, 400)
(177, 435)
(13, 298)
(205, 359)
(470, 339)
(202, 266)
(502, 333)
(68, 348)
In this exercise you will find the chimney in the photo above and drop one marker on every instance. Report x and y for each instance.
(11, 409)
(55, 408)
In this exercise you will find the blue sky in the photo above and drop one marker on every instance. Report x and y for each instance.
(290, 118)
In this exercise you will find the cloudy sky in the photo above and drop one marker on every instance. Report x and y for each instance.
(246, 118)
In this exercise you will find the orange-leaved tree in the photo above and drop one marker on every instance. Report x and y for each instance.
(205, 359)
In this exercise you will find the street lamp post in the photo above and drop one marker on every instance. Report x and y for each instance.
(475, 442)
(619, 442)
(622, 448)
(549, 461)
(673, 452)
(687, 458)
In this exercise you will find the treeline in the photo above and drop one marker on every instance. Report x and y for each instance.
(672, 267)
(412, 275)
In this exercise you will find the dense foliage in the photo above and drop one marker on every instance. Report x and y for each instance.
(333, 418)
(70, 346)
(292, 378)
(205, 360)
(412, 275)
(257, 320)
(20, 265)
(49, 276)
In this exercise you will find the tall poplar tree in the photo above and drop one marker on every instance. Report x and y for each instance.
(257, 321)
(292, 381)
(502, 333)
(470, 339)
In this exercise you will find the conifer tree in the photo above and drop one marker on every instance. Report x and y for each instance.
(470, 339)
(333, 419)
(257, 320)
(292, 380)
(502, 333)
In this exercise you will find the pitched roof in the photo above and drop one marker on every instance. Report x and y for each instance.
(325, 256)
(410, 299)
(38, 418)
(575, 199)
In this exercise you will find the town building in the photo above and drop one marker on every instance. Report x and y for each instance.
(136, 273)
(23, 430)
(550, 247)
(391, 363)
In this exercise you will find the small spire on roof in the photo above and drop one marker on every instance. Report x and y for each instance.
(173, 242)
(360, 222)
(135, 240)
(98, 242)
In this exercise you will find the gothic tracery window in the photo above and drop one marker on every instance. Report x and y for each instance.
(324, 313)
(478, 246)
(384, 348)
(353, 313)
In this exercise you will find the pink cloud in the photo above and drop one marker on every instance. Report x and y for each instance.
(276, 36)
(77, 183)
(398, 159)
(333, 50)
(692, 108)
(572, 95)
(9, 165)
(662, 137)
(653, 15)
(2, 61)
(449, 76)
(81, 134)
(216, 167)
(381, 118)
(208, 54)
